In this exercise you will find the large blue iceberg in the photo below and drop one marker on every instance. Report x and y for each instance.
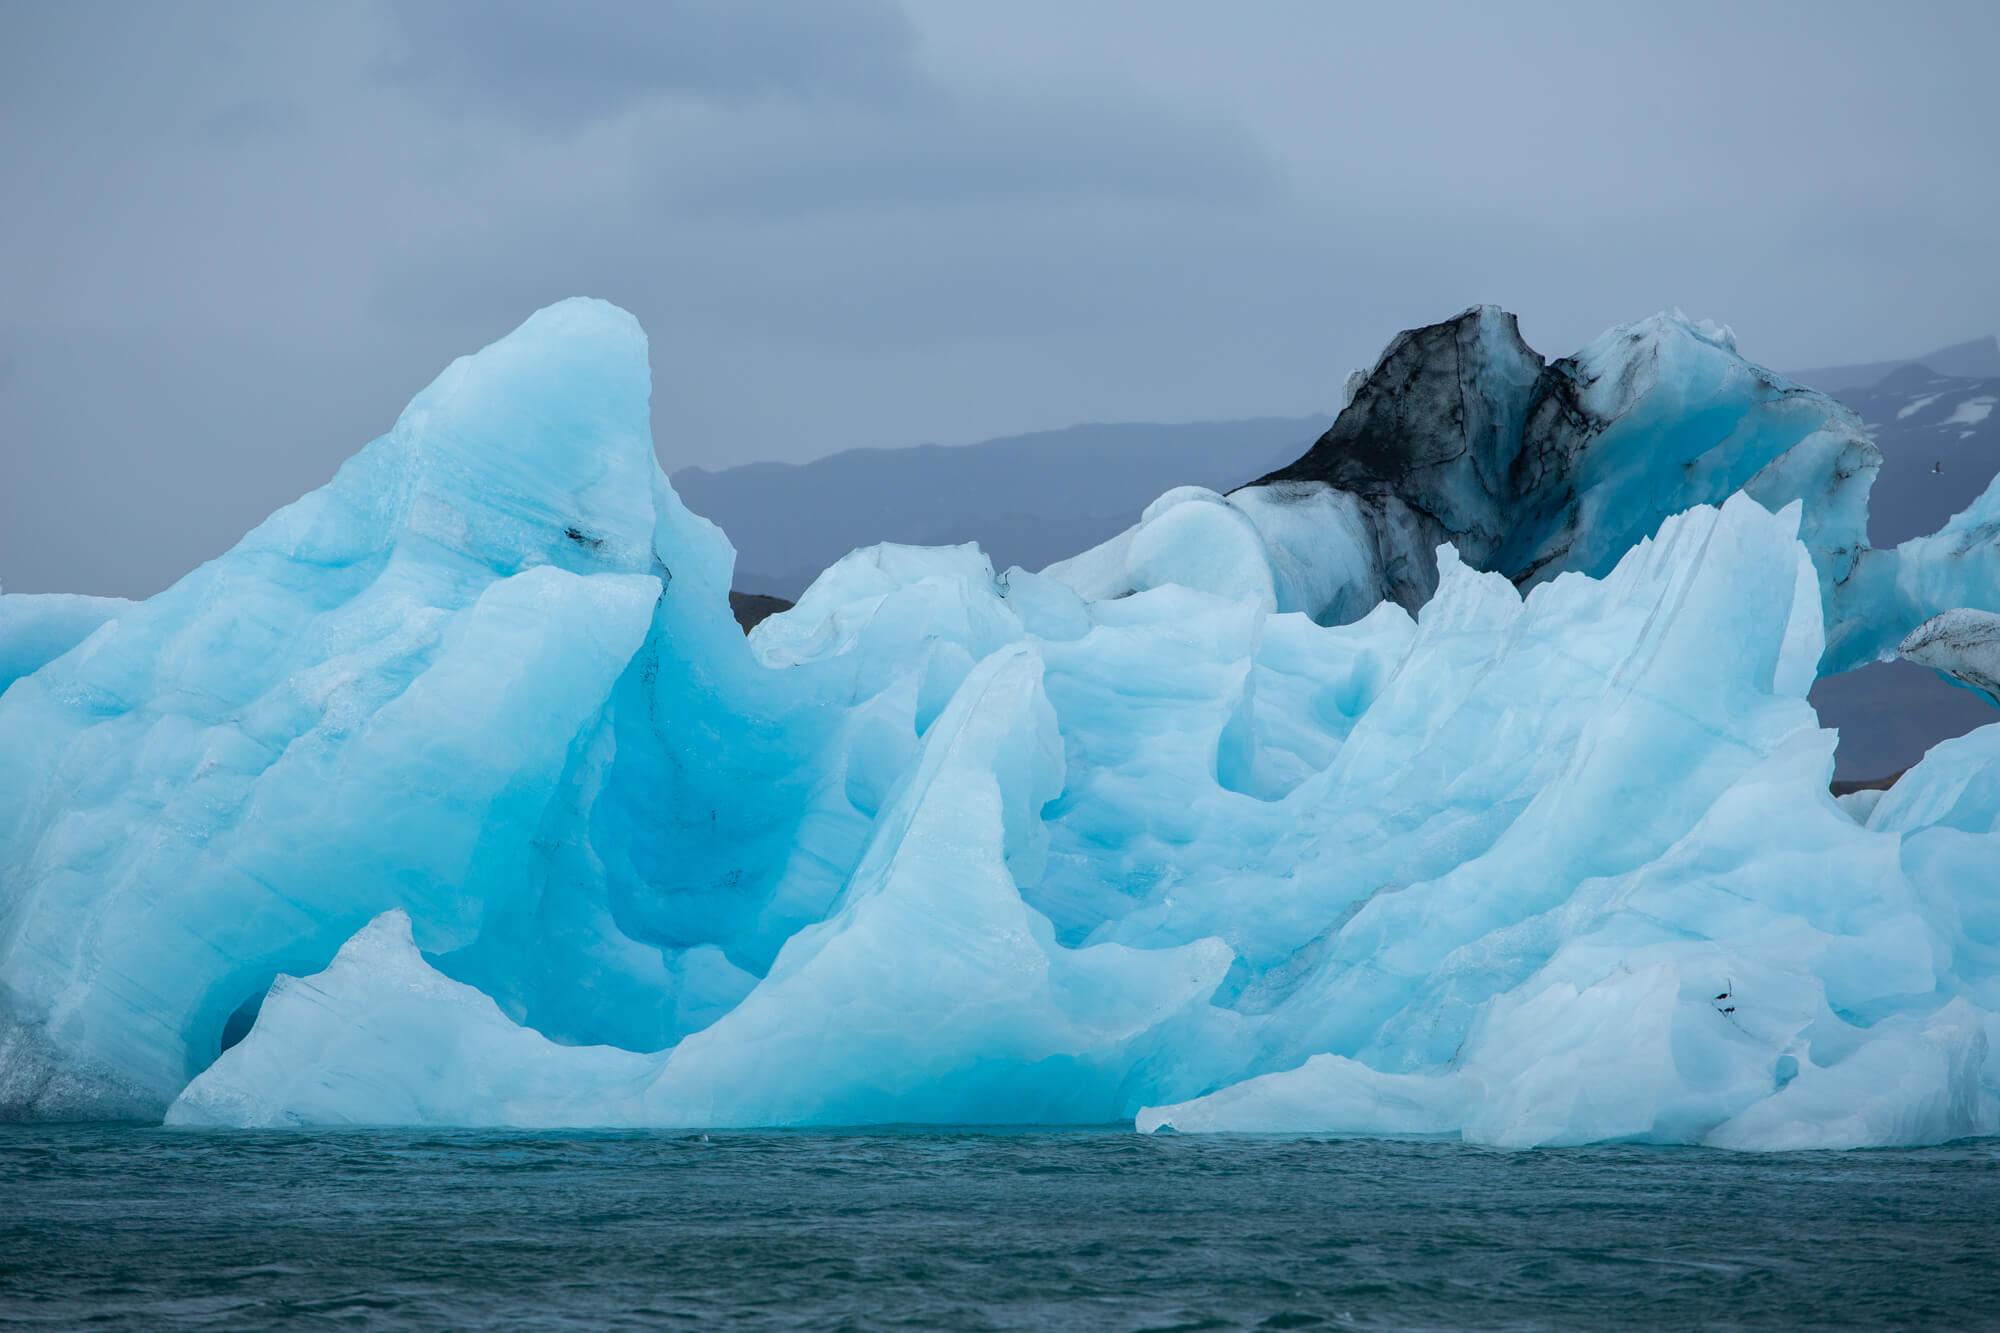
(1476, 797)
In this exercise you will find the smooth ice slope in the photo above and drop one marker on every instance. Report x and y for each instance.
(37, 628)
(466, 751)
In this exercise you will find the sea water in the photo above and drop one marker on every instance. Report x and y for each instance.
(125, 1227)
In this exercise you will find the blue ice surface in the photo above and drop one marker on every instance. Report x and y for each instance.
(454, 796)
(37, 628)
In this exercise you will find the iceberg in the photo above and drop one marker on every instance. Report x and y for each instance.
(1475, 795)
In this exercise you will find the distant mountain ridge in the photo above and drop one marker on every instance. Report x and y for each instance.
(1027, 500)
(1977, 359)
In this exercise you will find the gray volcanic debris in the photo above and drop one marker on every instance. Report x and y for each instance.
(1434, 443)
(1463, 433)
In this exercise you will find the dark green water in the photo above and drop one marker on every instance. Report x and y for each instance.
(123, 1227)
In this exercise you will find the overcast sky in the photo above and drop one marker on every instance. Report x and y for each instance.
(235, 238)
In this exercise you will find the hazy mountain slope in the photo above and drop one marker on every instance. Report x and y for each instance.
(1977, 359)
(1026, 499)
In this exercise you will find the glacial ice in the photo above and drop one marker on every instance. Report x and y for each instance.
(453, 794)
(1963, 646)
(37, 628)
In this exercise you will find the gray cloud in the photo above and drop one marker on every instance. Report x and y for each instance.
(239, 235)
(960, 152)
(250, 121)
(559, 66)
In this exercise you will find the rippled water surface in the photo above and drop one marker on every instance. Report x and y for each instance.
(124, 1227)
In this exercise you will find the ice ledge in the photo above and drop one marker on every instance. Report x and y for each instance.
(1961, 645)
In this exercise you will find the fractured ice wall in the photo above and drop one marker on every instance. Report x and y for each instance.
(466, 751)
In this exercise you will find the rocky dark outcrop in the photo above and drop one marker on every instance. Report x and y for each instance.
(1848, 786)
(750, 608)
(1461, 433)
(1437, 421)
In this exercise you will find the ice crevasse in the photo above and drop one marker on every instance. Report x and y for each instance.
(453, 795)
